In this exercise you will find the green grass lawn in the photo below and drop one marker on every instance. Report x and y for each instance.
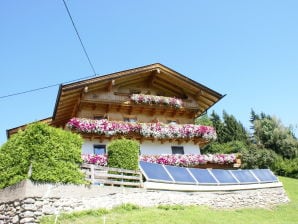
(191, 214)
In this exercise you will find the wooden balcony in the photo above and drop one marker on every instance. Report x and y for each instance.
(122, 103)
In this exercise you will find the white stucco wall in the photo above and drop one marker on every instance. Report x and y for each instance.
(166, 148)
(87, 147)
(147, 147)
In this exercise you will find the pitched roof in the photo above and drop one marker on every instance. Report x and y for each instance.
(69, 95)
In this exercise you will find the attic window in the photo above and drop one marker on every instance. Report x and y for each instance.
(134, 91)
(160, 94)
(130, 119)
(172, 122)
(100, 117)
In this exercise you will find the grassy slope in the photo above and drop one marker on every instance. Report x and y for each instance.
(193, 214)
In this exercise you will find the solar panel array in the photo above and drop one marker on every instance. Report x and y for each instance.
(173, 174)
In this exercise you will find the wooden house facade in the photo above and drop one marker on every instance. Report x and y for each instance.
(153, 104)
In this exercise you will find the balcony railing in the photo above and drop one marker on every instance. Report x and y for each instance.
(125, 99)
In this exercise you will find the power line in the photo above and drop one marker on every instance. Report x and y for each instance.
(41, 88)
(50, 86)
(28, 91)
(74, 26)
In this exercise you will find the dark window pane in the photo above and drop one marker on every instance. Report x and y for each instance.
(99, 149)
(130, 119)
(177, 150)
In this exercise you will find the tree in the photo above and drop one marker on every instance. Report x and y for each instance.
(218, 125)
(256, 157)
(272, 134)
(233, 130)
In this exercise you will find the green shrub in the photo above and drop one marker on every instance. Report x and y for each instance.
(255, 157)
(124, 153)
(53, 154)
(14, 161)
(226, 148)
(286, 167)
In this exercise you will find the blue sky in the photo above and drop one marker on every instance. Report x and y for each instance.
(245, 49)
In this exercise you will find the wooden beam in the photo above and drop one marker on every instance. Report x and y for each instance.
(174, 113)
(130, 110)
(119, 108)
(110, 85)
(108, 107)
(76, 108)
(152, 77)
(153, 112)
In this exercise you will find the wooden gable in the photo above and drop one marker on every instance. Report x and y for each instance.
(112, 92)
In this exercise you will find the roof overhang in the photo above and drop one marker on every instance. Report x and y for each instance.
(69, 95)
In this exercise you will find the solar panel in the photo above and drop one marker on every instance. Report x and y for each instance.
(203, 176)
(244, 176)
(224, 176)
(155, 172)
(180, 174)
(265, 175)
(172, 174)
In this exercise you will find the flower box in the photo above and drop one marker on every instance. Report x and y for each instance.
(215, 161)
(151, 99)
(148, 130)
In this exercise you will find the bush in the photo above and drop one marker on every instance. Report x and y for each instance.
(123, 153)
(53, 154)
(255, 157)
(225, 148)
(286, 167)
(14, 161)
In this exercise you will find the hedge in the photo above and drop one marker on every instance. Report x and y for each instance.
(124, 153)
(53, 154)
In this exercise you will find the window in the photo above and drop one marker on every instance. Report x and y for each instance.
(130, 119)
(134, 91)
(99, 149)
(99, 117)
(177, 150)
(172, 122)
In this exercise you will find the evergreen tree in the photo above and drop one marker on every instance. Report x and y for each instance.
(233, 130)
(218, 125)
(253, 117)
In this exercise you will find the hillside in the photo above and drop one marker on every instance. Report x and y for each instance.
(192, 214)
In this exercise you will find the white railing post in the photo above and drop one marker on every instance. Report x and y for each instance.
(92, 173)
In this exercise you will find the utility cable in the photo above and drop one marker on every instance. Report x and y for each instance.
(74, 26)
(50, 86)
(44, 87)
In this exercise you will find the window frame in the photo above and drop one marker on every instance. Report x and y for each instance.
(177, 148)
(99, 146)
(101, 116)
(127, 118)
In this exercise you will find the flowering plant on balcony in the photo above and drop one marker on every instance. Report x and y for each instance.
(186, 160)
(156, 130)
(189, 160)
(100, 160)
(151, 99)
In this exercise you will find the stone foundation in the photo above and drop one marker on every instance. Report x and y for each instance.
(26, 202)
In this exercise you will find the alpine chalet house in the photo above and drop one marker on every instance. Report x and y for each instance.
(153, 104)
